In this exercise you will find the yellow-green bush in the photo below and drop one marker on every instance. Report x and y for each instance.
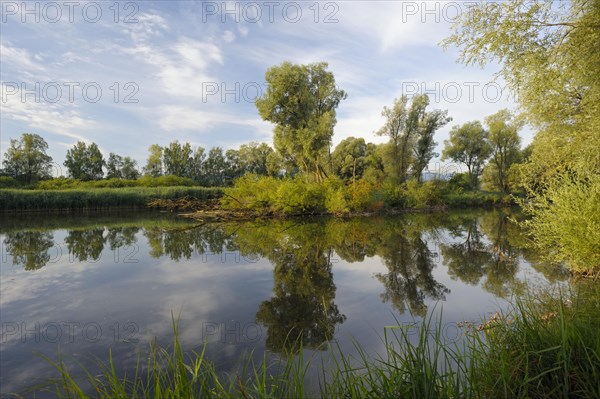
(62, 183)
(566, 220)
(422, 195)
(251, 192)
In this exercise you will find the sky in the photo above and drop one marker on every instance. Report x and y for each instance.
(126, 75)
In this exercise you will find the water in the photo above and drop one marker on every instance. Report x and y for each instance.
(81, 284)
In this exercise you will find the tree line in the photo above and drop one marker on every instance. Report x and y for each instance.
(406, 155)
(27, 161)
(301, 102)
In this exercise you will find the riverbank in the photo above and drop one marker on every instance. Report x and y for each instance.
(20, 200)
(545, 345)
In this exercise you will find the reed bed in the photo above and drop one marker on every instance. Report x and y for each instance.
(98, 198)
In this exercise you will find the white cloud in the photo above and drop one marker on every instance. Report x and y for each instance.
(188, 118)
(20, 58)
(228, 36)
(149, 25)
(57, 118)
(182, 71)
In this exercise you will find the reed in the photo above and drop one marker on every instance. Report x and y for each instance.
(98, 198)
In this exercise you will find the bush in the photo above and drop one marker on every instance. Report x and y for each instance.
(299, 196)
(166, 181)
(460, 182)
(423, 195)
(63, 183)
(566, 221)
(252, 192)
(364, 195)
(8, 182)
(336, 197)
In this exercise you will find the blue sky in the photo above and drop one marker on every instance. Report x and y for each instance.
(189, 71)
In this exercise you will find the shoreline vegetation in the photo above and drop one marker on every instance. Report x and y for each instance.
(545, 345)
(251, 196)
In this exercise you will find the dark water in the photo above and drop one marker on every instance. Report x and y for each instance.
(83, 284)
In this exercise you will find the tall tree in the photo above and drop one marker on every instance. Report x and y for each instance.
(253, 157)
(348, 158)
(85, 162)
(425, 146)
(118, 167)
(114, 164)
(410, 129)
(234, 166)
(129, 169)
(26, 159)
(301, 101)
(505, 143)
(154, 165)
(214, 167)
(197, 164)
(177, 159)
(468, 144)
(550, 57)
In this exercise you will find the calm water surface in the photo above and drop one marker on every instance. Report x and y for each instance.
(81, 284)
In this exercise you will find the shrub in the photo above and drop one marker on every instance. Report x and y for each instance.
(566, 220)
(336, 197)
(7, 182)
(423, 195)
(251, 192)
(297, 195)
(460, 182)
(166, 181)
(362, 195)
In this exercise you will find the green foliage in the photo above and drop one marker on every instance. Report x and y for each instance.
(550, 57)
(298, 195)
(62, 183)
(154, 165)
(348, 160)
(177, 158)
(215, 167)
(460, 182)
(85, 162)
(118, 167)
(301, 101)
(505, 142)
(8, 182)
(468, 144)
(420, 196)
(411, 131)
(566, 221)
(97, 198)
(26, 159)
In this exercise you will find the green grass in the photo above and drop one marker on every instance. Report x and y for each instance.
(540, 348)
(97, 198)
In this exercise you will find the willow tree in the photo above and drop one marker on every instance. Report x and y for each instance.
(26, 159)
(550, 57)
(348, 158)
(468, 144)
(410, 129)
(505, 144)
(301, 101)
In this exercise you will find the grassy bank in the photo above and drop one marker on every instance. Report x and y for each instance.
(541, 348)
(12, 200)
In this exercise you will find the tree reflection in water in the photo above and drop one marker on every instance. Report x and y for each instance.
(29, 248)
(484, 249)
(302, 309)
